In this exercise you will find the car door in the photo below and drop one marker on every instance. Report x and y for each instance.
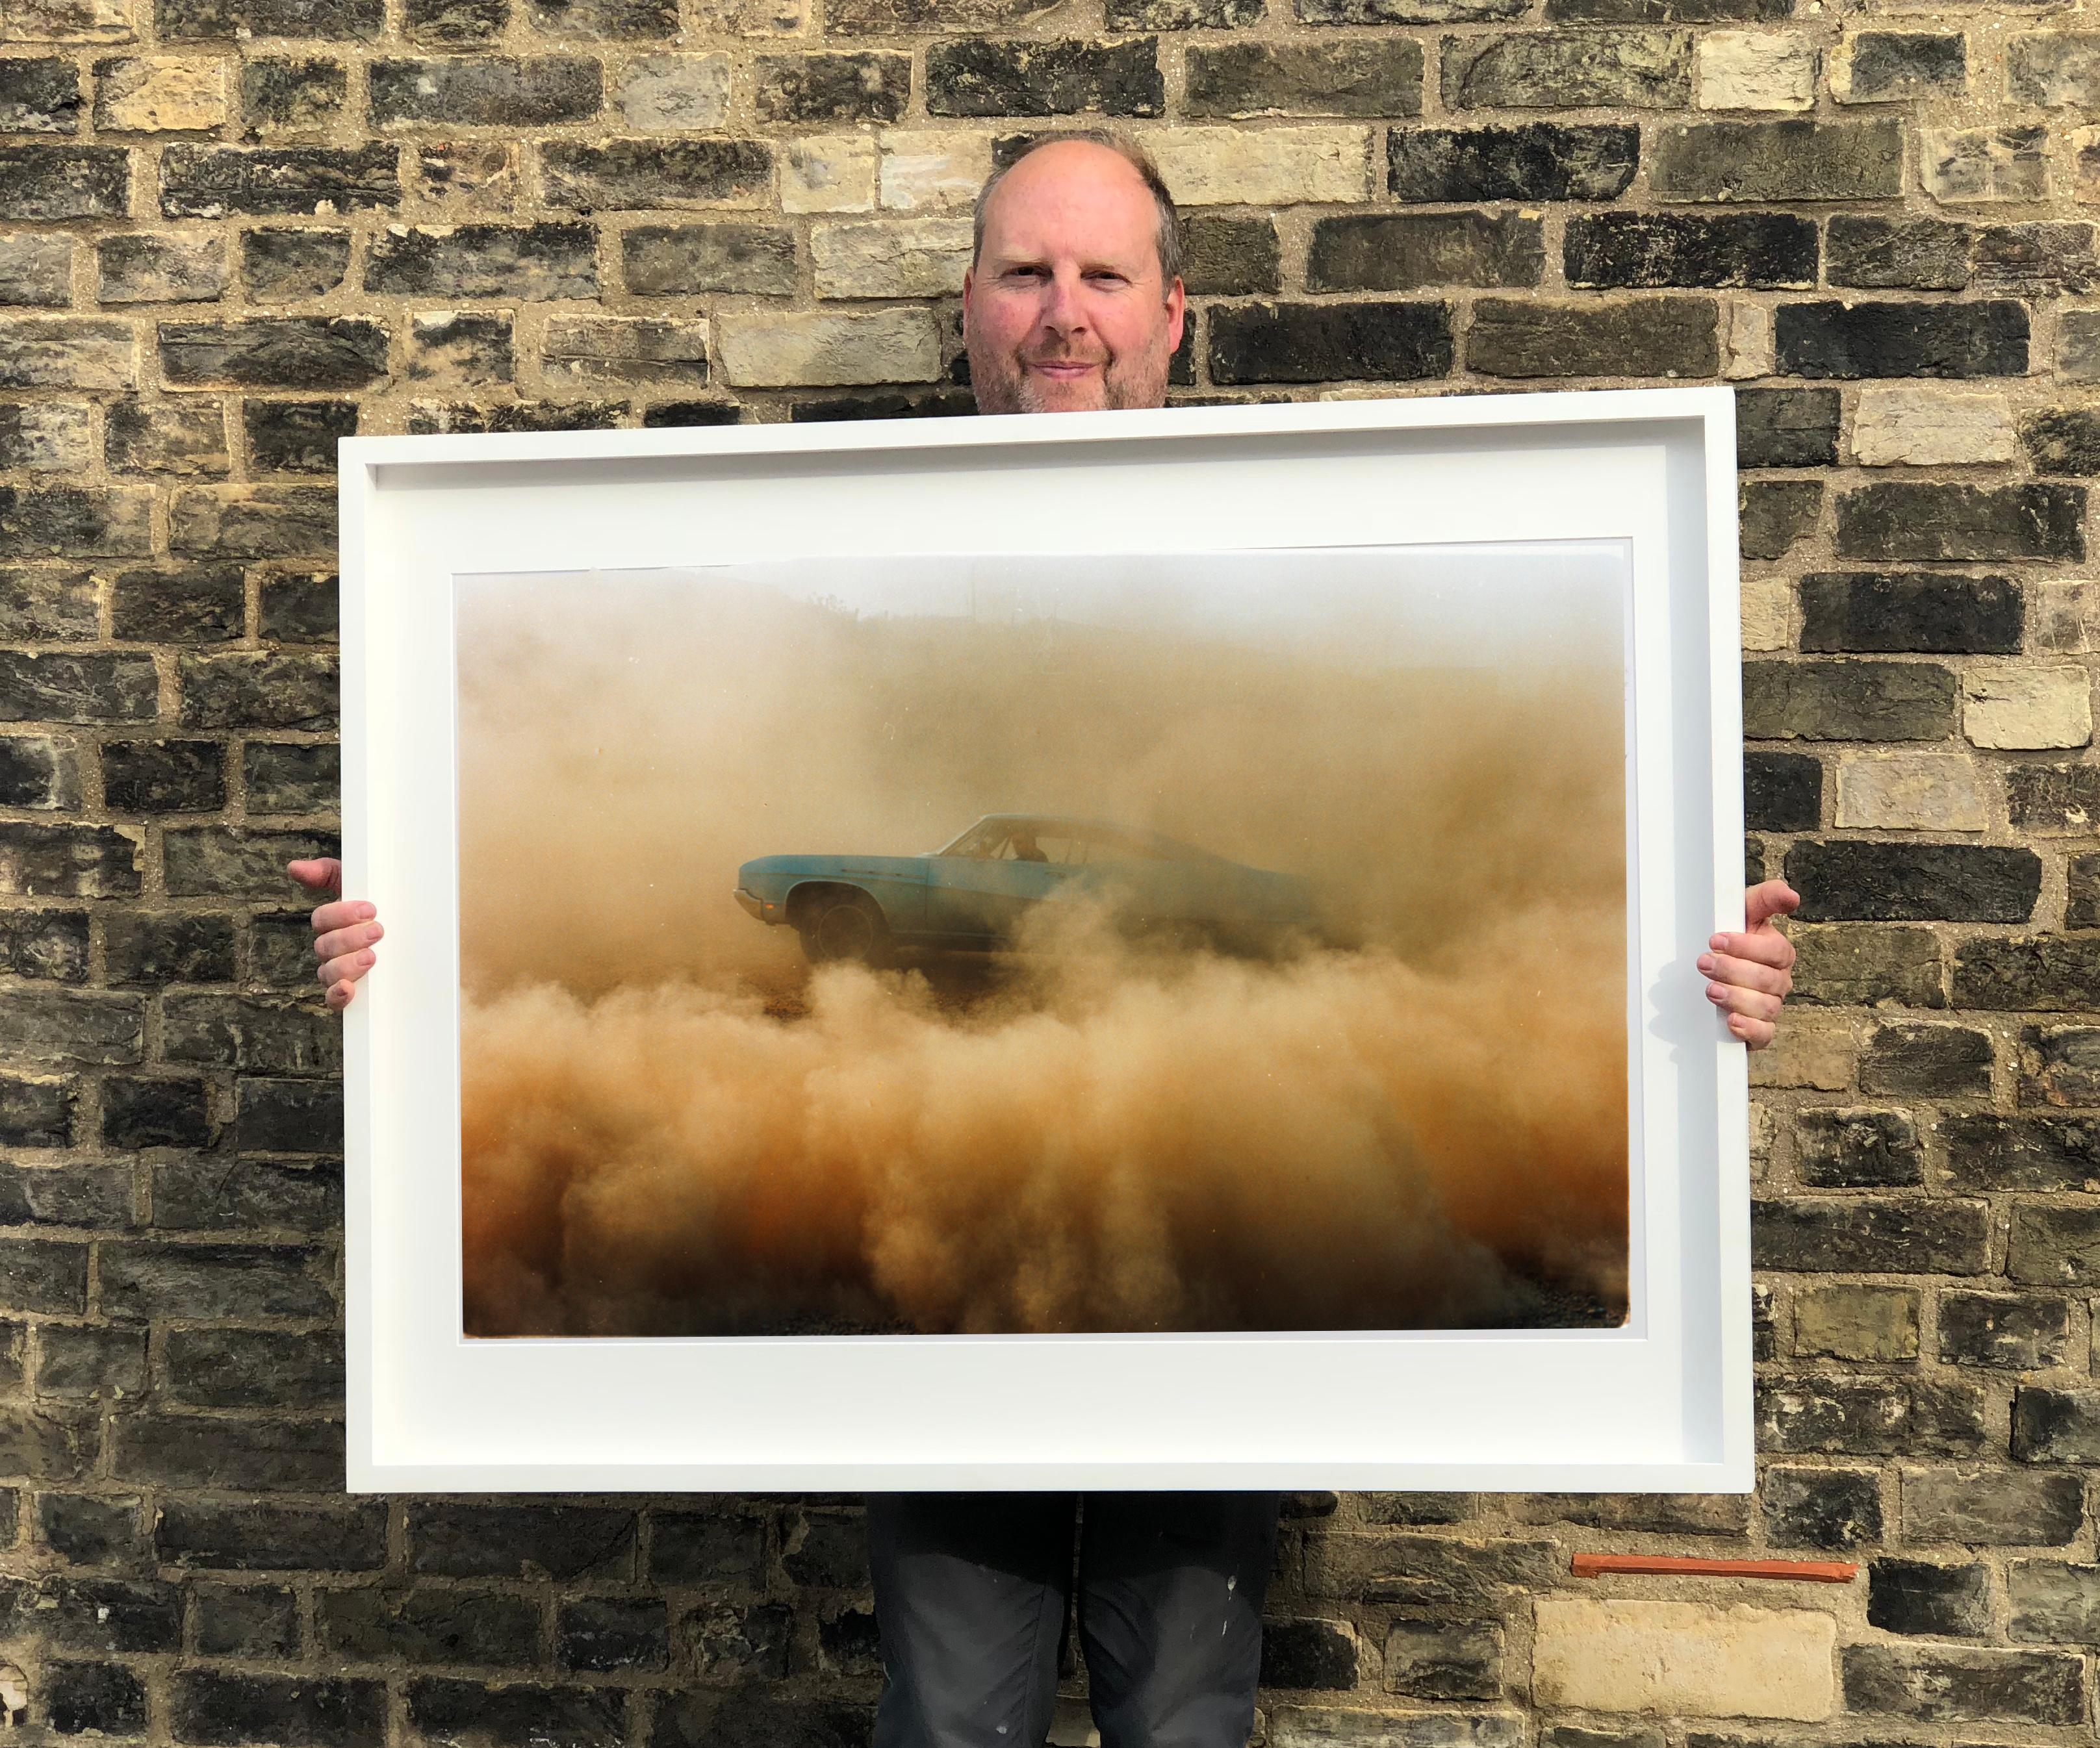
(980, 899)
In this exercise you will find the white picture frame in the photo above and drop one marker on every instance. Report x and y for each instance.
(1662, 1404)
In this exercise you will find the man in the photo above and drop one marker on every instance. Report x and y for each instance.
(1074, 300)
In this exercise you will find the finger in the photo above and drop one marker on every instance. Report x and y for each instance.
(1746, 974)
(340, 996)
(337, 942)
(1768, 947)
(1756, 1033)
(1752, 1004)
(1768, 899)
(342, 913)
(350, 967)
(323, 873)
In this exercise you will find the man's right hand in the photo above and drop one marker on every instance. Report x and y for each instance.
(344, 931)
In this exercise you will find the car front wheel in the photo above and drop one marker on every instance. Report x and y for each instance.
(850, 926)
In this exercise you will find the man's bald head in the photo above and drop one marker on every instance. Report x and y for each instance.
(1171, 247)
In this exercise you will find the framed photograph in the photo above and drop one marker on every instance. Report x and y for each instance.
(968, 953)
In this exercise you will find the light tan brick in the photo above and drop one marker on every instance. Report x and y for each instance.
(786, 351)
(2064, 617)
(924, 170)
(1875, 1324)
(1985, 164)
(754, 18)
(1271, 166)
(2081, 151)
(1756, 70)
(1931, 428)
(828, 172)
(895, 257)
(155, 95)
(1768, 613)
(66, 21)
(1816, 1052)
(1910, 792)
(591, 351)
(2027, 707)
(673, 91)
(1689, 1659)
(1750, 341)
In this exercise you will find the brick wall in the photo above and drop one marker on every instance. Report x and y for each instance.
(232, 231)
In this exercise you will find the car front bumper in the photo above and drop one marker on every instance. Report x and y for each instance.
(759, 908)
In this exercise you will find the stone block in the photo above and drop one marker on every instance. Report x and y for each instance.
(1882, 254)
(1940, 523)
(1618, 69)
(1373, 77)
(1878, 1325)
(1756, 70)
(585, 352)
(2027, 707)
(782, 351)
(799, 89)
(1895, 66)
(1778, 160)
(891, 257)
(1910, 792)
(1043, 76)
(832, 173)
(1309, 342)
(1411, 251)
(1850, 1149)
(1228, 166)
(673, 93)
(1961, 165)
(1906, 1059)
(645, 175)
(1683, 1657)
(1881, 880)
(1666, 337)
(1537, 161)
(2006, 1331)
(1931, 428)
(159, 94)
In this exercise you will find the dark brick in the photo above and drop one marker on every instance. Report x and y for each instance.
(2037, 260)
(47, 944)
(1432, 1573)
(2005, 1508)
(115, 687)
(68, 1195)
(454, 24)
(167, 439)
(751, 1718)
(1640, 1513)
(36, 1275)
(1891, 66)
(38, 771)
(253, 1368)
(297, 437)
(1405, 12)
(1373, 77)
(602, 1633)
(2041, 1687)
(39, 94)
(848, 1643)
(291, 776)
(1309, 1654)
(1685, 249)
(1895, 254)
(707, 1548)
(1858, 1150)
(263, 1536)
(1649, 336)
(359, 20)
(1857, 1234)
(2011, 1332)
(1782, 791)
(1883, 1417)
(731, 256)
(427, 1625)
(1847, 701)
(1920, 610)
(1883, 881)
(40, 183)
(281, 951)
(1775, 513)
(1935, 523)
(83, 1025)
(211, 181)
(2081, 892)
(221, 1709)
(529, 262)
(72, 521)
(562, 1541)
(190, 604)
(2065, 441)
(288, 1117)
(1778, 160)
(117, 1615)
(1225, 257)
(291, 96)
(1539, 160)
(1924, 1597)
(2059, 1065)
(100, 1699)
(1407, 251)
(1985, 1150)
(275, 352)
(495, 90)
(807, 88)
(1902, 1059)
(148, 947)
(300, 607)
(730, 1642)
(147, 1281)
(1891, 339)
(1305, 342)
(825, 1550)
(466, 1714)
(280, 264)
(44, 605)
(36, 273)
(2039, 974)
(2052, 1247)
(208, 1194)
(1786, 427)
(1634, 70)
(36, 1112)
(157, 1112)
(258, 690)
(49, 1444)
(246, 1620)
(427, 417)
(89, 1530)
(1667, 12)
(982, 76)
(1430, 1659)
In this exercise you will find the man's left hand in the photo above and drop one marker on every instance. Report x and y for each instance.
(1749, 976)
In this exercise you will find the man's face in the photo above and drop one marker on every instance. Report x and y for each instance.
(1064, 311)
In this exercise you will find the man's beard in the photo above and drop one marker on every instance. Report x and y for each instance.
(1008, 385)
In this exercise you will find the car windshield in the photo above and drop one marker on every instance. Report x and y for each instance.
(1054, 841)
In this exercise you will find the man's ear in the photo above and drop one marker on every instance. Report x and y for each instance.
(970, 282)
(1177, 311)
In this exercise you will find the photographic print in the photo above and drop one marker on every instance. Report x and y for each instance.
(958, 945)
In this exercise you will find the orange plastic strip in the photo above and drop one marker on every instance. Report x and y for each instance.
(1807, 1571)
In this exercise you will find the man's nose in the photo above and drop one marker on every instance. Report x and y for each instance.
(1062, 309)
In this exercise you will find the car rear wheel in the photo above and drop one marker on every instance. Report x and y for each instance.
(850, 926)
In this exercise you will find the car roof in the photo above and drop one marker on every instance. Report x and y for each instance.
(1054, 824)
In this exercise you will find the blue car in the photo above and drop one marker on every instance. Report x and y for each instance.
(972, 895)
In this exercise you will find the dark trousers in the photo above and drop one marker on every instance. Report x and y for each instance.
(970, 1594)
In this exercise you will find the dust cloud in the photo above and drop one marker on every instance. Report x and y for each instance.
(673, 1125)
